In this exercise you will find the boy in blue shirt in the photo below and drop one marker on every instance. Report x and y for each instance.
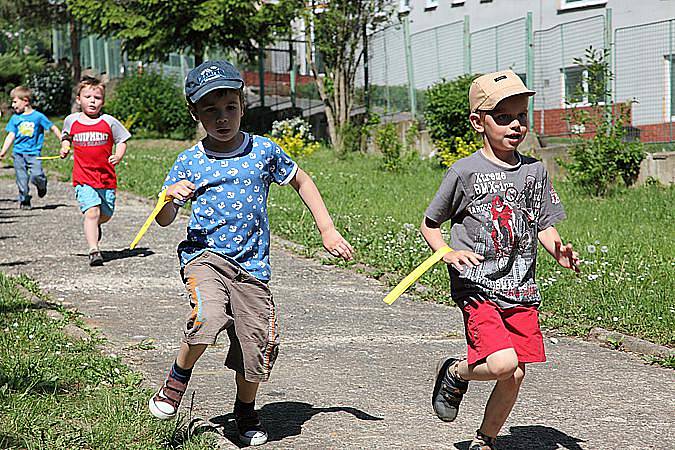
(225, 256)
(26, 130)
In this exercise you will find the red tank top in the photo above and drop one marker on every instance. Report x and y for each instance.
(92, 146)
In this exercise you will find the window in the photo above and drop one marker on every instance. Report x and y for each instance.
(575, 4)
(404, 6)
(576, 87)
(431, 4)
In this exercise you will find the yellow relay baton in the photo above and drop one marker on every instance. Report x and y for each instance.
(49, 157)
(415, 274)
(163, 200)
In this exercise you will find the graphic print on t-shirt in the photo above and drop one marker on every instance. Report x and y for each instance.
(26, 128)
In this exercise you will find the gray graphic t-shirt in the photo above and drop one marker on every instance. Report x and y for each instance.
(497, 212)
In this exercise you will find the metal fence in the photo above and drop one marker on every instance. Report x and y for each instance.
(403, 65)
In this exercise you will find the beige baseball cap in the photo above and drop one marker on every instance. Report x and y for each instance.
(489, 89)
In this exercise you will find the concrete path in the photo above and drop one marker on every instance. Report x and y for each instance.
(352, 372)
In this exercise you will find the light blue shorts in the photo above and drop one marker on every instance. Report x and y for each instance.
(89, 197)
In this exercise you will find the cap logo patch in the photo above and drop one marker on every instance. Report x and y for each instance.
(211, 73)
(503, 77)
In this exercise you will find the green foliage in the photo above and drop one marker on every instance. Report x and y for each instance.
(599, 163)
(387, 141)
(446, 115)
(151, 29)
(154, 104)
(450, 151)
(294, 137)
(51, 90)
(15, 68)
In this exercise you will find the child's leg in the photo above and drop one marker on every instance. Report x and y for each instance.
(500, 365)
(37, 175)
(246, 390)
(501, 402)
(91, 221)
(21, 172)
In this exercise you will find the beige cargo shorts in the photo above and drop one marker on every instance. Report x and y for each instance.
(225, 297)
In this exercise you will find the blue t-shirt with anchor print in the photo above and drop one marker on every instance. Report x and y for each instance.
(229, 206)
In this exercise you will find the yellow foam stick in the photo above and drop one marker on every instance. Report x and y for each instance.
(415, 274)
(161, 201)
(49, 157)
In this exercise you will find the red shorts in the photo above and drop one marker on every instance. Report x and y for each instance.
(489, 328)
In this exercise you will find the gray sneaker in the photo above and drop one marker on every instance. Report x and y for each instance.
(483, 442)
(448, 391)
(95, 258)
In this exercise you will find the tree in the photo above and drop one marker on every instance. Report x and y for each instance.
(47, 13)
(336, 33)
(151, 29)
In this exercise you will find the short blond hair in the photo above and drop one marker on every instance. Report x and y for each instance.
(21, 92)
(90, 82)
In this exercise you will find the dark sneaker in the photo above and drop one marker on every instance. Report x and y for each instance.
(250, 430)
(164, 404)
(483, 442)
(95, 258)
(25, 206)
(42, 191)
(448, 391)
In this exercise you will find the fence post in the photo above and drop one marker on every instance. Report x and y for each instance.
(529, 74)
(261, 75)
(467, 45)
(609, 92)
(106, 57)
(672, 77)
(366, 75)
(409, 65)
(292, 63)
(92, 53)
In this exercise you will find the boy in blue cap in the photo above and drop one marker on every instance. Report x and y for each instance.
(26, 130)
(225, 257)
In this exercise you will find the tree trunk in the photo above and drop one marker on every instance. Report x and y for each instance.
(75, 66)
(198, 50)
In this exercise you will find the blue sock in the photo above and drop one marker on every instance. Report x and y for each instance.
(180, 374)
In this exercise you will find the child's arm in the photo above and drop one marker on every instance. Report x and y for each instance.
(120, 150)
(333, 241)
(552, 242)
(54, 129)
(432, 234)
(183, 191)
(65, 146)
(7, 144)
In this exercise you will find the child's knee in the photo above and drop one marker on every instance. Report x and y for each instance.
(503, 364)
(93, 213)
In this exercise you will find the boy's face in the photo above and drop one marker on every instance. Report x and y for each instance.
(19, 105)
(220, 112)
(91, 100)
(505, 127)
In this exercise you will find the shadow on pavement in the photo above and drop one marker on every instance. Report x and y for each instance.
(14, 263)
(533, 437)
(53, 206)
(281, 419)
(111, 255)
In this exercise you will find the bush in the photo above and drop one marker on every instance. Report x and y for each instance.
(450, 151)
(153, 104)
(387, 141)
(294, 137)
(52, 90)
(599, 163)
(14, 69)
(446, 117)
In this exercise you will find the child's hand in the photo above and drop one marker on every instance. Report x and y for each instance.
(183, 190)
(459, 257)
(567, 257)
(114, 159)
(336, 245)
(64, 151)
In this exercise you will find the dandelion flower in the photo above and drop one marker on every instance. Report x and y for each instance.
(590, 248)
(604, 249)
(592, 277)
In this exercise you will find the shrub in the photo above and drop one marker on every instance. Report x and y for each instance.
(294, 137)
(387, 141)
(446, 117)
(15, 68)
(153, 104)
(450, 151)
(52, 90)
(599, 163)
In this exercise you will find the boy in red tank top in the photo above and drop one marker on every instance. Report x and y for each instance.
(93, 137)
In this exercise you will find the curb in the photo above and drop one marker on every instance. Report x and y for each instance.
(620, 341)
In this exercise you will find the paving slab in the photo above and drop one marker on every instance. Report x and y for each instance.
(353, 373)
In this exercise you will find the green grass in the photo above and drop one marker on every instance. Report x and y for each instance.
(59, 393)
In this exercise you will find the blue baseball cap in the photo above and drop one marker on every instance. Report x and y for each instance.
(209, 76)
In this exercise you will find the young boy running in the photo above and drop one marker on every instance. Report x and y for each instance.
(93, 136)
(225, 256)
(26, 130)
(494, 235)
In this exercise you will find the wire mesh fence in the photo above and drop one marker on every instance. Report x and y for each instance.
(401, 67)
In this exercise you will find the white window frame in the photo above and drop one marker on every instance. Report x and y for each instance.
(584, 87)
(404, 6)
(431, 4)
(670, 114)
(566, 4)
